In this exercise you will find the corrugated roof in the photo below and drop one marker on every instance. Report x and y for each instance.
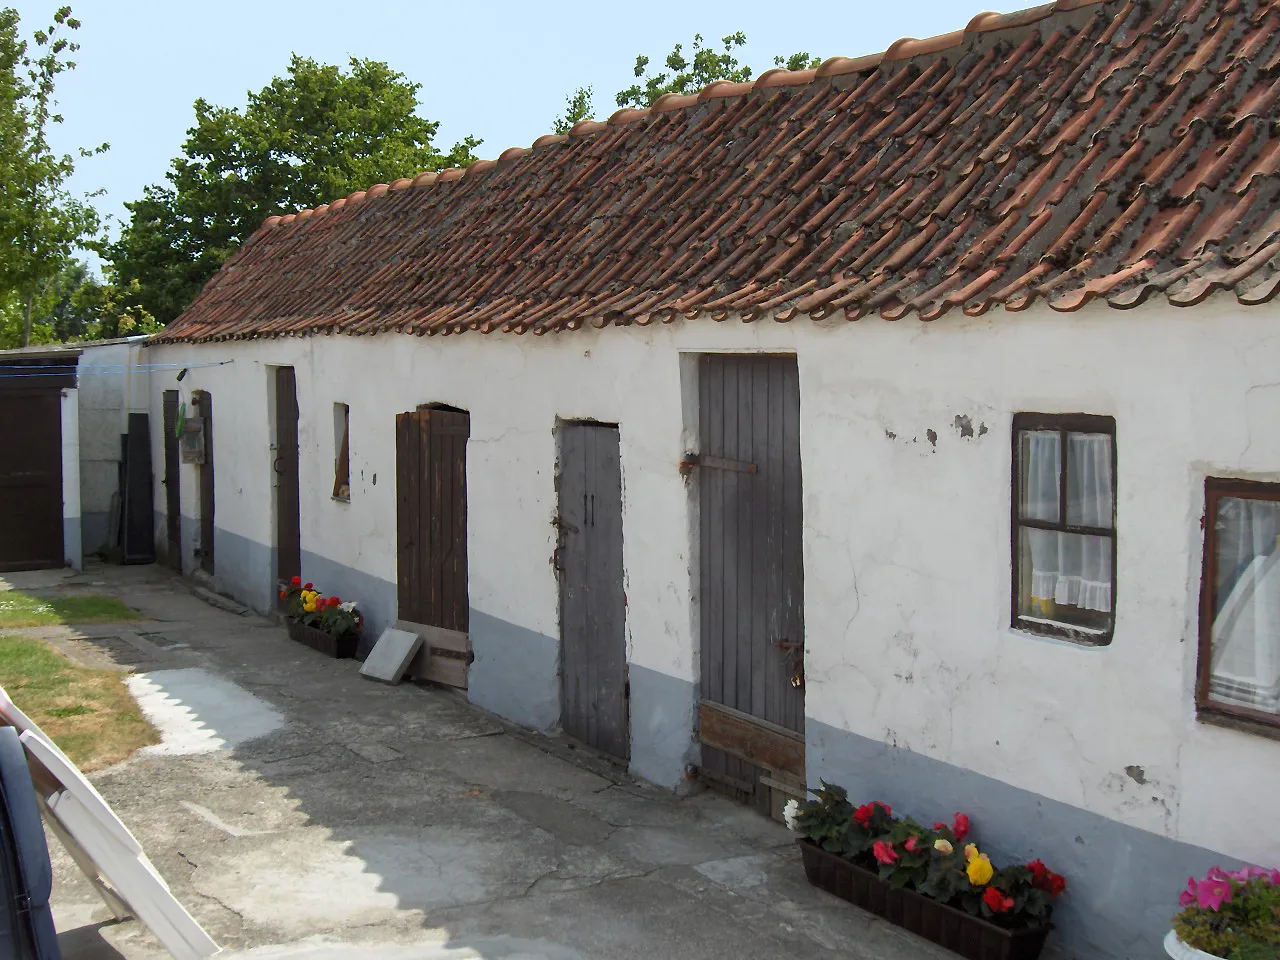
(1075, 151)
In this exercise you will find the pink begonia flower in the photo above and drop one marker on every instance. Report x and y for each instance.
(912, 842)
(1213, 892)
(1188, 896)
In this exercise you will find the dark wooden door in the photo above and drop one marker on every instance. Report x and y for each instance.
(593, 675)
(30, 478)
(137, 495)
(751, 588)
(288, 509)
(172, 487)
(204, 552)
(431, 517)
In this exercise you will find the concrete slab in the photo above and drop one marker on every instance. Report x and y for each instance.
(197, 711)
(390, 656)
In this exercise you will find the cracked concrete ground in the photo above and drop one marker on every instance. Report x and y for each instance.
(298, 810)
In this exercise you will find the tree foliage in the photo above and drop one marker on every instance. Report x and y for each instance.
(708, 64)
(41, 223)
(314, 135)
(578, 105)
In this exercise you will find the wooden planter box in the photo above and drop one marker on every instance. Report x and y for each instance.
(967, 935)
(340, 648)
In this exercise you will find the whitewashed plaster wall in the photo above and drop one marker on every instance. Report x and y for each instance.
(69, 411)
(906, 536)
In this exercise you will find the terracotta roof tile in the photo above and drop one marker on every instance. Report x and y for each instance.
(1078, 151)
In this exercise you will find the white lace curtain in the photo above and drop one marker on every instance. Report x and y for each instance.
(1246, 624)
(1068, 569)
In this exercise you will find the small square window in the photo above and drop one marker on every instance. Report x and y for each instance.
(1064, 522)
(1239, 663)
(341, 451)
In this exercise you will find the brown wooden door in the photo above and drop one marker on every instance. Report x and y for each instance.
(431, 515)
(751, 581)
(593, 673)
(172, 487)
(288, 508)
(30, 478)
(204, 551)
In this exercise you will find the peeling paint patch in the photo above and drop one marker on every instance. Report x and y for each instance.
(1136, 774)
(964, 425)
(890, 434)
(982, 430)
(933, 436)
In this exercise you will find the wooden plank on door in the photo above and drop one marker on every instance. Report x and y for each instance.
(594, 700)
(756, 741)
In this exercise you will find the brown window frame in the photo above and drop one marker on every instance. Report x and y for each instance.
(1207, 709)
(1064, 423)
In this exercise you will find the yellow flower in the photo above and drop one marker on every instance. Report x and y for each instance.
(309, 606)
(970, 851)
(943, 846)
(980, 870)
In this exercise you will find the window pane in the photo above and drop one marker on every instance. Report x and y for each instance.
(1039, 490)
(1245, 637)
(1089, 481)
(1065, 578)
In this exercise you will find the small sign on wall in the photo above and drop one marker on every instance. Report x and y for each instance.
(191, 440)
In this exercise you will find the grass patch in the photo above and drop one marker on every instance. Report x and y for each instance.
(90, 714)
(18, 609)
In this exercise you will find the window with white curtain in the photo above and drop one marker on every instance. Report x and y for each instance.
(1239, 674)
(1064, 525)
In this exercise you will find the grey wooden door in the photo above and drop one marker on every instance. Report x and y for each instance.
(203, 402)
(172, 490)
(30, 476)
(593, 675)
(751, 579)
(288, 499)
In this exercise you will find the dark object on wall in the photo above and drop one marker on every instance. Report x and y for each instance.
(136, 527)
(172, 488)
(340, 648)
(26, 877)
(285, 465)
(593, 636)
(751, 578)
(970, 936)
(431, 521)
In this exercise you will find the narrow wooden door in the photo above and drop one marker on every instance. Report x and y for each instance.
(204, 404)
(751, 582)
(172, 488)
(431, 515)
(593, 675)
(288, 508)
(30, 477)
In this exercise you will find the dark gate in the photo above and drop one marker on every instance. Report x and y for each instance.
(30, 475)
(172, 488)
(204, 405)
(593, 676)
(288, 509)
(431, 521)
(751, 720)
(137, 496)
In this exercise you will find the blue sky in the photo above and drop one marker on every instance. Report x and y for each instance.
(499, 70)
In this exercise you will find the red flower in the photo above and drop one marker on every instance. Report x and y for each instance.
(321, 603)
(868, 810)
(912, 843)
(940, 826)
(282, 594)
(997, 901)
(308, 586)
(1039, 873)
(961, 827)
(1057, 883)
(334, 601)
(296, 581)
(884, 852)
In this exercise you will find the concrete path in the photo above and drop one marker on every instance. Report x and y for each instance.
(299, 810)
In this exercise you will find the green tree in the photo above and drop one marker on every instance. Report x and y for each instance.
(706, 66)
(314, 135)
(578, 105)
(41, 223)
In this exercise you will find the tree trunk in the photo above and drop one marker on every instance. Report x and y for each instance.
(26, 323)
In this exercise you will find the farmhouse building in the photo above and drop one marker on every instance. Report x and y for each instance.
(910, 422)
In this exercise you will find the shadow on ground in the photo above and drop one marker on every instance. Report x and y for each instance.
(299, 810)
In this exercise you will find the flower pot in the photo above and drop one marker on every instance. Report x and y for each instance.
(340, 648)
(967, 935)
(1180, 951)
